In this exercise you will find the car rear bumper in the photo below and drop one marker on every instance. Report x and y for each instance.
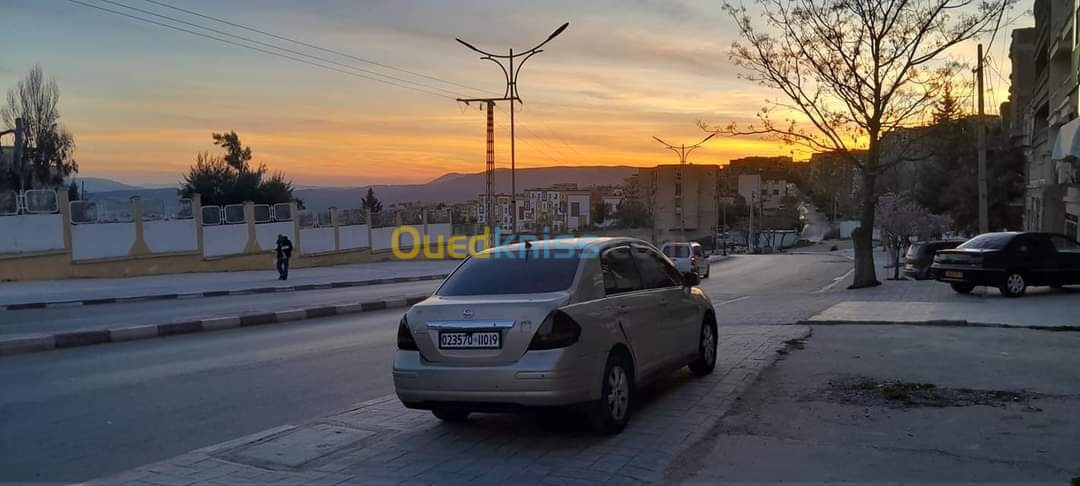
(539, 379)
(966, 274)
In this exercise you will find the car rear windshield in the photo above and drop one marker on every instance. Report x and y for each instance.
(677, 251)
(513, 273)
(987, 242)
(916, 250)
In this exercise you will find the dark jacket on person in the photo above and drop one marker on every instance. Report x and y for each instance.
(284, 248)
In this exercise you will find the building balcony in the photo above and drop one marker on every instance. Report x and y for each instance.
(1061, 44)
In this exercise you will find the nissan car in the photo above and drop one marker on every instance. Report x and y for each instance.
(579, 323)
(1010, 261)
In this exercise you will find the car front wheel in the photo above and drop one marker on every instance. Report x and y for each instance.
(963, 288)
(706, 358)
(611, 413)
(1014, 285)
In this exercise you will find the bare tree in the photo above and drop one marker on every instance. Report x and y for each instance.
(901, 219)
(49, 146)
(850, 72)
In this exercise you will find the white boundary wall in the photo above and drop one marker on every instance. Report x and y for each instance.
(266, 234)
(355, 236)
(170, 236)
(317, 240)
(440, 229)
(380, 238)
(31, 233)
(229, 239)
(102, 240)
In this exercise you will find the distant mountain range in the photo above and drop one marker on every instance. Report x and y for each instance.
(449, 188)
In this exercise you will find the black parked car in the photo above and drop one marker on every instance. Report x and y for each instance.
(1010, 261)
(920, 256)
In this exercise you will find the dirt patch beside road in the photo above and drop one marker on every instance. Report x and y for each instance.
(869, 392)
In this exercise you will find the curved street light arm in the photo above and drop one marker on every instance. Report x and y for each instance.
(506, 74)
(517, 71)
(505, 56)
(470, 46)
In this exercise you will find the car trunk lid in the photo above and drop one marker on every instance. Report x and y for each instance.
(514, 317)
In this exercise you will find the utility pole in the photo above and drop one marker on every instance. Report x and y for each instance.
(980, 130)
(725, 212)
(510, 72)
(750, 228)
(682, 151)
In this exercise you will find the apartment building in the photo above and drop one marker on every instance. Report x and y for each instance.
(560, 208)
(684, 199)
(1044, 106)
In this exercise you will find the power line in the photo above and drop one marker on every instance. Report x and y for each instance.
(311, 46)
(289, 54)
(254, 48)
(272, 46)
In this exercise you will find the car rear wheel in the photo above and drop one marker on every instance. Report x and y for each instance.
(611, 413)
(1014, 285)
(963, 288)
(449, 415)
(706, 358)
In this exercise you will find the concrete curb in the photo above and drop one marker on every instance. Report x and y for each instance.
(89, 337)
(219, 293)
(938, 323)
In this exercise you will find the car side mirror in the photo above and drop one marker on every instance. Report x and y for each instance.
(690, 279)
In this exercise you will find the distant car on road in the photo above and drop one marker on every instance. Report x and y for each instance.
(920, 256)
(1012, 262)
(512, 329)
(688, 257)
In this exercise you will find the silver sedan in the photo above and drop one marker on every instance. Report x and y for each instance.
(571, 322)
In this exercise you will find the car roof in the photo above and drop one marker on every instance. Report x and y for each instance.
(601, 242)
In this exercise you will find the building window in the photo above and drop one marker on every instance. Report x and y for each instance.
(575, 209)
(678, 189)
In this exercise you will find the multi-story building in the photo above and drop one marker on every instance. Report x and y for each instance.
(562, 207)
(1051, 138)
(684, 199)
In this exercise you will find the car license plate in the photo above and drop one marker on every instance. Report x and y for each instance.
(954, 274)
(470, 340)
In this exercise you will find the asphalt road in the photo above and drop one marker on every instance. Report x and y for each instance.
(81, 413)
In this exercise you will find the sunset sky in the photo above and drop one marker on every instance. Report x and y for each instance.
(142, 100)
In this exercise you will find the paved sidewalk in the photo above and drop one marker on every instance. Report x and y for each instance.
(33, 294)
(70, 338)
(381, 442)
(912, 301)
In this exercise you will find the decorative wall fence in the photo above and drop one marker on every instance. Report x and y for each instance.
(42, 223)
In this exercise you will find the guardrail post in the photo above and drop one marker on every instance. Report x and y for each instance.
(249, 219)
(139, 246)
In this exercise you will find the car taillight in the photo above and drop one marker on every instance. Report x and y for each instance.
(557, 331)
(693, 260)
(405, 341)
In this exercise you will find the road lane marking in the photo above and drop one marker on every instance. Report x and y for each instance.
(729, 301)
(835, 281)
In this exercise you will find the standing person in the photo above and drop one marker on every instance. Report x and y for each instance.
(284, 252)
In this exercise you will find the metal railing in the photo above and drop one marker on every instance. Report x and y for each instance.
(33, 201)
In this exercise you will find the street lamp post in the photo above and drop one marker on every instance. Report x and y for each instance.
(510, 94)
